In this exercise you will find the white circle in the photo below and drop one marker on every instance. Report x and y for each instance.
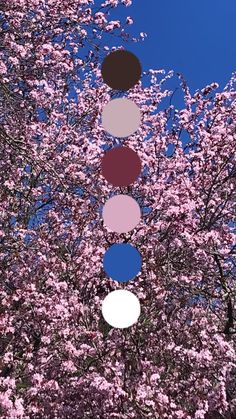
(121, 117)
(121, 309)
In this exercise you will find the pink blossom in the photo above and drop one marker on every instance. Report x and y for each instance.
(46, 48)
(113, 24)
(129, 20)
(3, 68)
(127, 3)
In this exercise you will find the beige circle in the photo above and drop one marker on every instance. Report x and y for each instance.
(121, 213)
(121, 117)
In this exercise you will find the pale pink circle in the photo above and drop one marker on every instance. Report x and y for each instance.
(121, 213)
(121, 117)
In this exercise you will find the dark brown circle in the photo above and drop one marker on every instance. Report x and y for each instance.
(121, 166)
(121, 70)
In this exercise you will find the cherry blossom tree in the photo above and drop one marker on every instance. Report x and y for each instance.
(58, 357)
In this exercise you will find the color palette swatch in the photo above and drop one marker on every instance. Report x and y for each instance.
(121, 213)
(122, 262)
(121, 166)
(121, 117)
(121, 70)
(121, 309)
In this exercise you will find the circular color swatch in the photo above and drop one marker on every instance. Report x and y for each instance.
(121, 213)
(121, 166)
(121, 70)
(122, 262)
(121, 117)
(121, 309)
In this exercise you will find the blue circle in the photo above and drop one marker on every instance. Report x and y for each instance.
(122, 262)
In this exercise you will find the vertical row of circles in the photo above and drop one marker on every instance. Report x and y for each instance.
(121, 166)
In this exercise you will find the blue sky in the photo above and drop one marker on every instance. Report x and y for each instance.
(196, 38)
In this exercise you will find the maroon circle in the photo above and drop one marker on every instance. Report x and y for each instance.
(121, 166)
